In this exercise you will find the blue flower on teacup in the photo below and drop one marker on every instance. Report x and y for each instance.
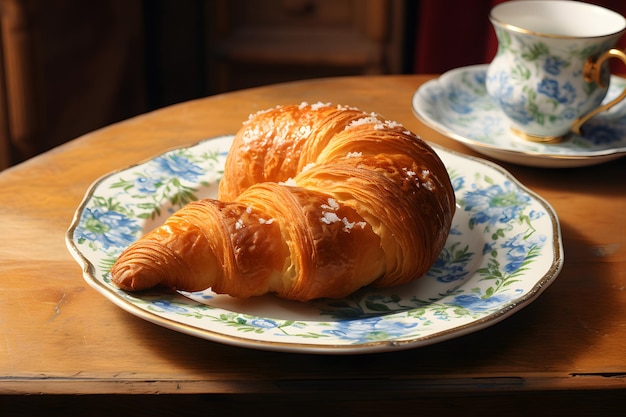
(564, 94)
(569, 114)
(518, 249)
(109, 228)
(502, 90)
(370, 329)
(500, 85)
(517, 112)
(498, 203)
(480, 78)
(553, 65)
(179, 167)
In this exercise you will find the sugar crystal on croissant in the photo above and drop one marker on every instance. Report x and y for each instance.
(316, 201)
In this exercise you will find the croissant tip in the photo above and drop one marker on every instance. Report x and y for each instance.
(128, 278)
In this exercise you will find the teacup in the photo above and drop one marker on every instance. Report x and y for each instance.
(550, 73)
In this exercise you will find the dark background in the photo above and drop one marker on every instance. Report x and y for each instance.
(68, 67)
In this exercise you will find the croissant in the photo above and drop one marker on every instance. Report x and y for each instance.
(316, 201)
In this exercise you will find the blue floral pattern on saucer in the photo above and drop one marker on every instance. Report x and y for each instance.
(503, 250)
(457, 105)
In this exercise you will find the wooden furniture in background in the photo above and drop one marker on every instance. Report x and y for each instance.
(254, 43)
(66, 67)
(69, 66)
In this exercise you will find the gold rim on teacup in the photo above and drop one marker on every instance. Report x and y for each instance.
(509, 19)
(538, 139)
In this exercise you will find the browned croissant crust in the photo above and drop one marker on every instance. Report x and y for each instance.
(316, 201)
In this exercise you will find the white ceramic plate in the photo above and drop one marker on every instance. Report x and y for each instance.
(457, 105)
(504, 249)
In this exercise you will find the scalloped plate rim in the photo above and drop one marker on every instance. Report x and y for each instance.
(368, 347)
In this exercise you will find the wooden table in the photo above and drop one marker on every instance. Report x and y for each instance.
(61, 337)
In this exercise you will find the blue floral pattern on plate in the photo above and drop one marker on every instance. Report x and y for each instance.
(503, 250)
(457, 105)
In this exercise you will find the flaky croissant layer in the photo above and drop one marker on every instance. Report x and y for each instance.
(316, 201)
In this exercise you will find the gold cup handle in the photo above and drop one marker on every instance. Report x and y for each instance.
(592, 72)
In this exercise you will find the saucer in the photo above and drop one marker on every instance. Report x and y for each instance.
(457, 105)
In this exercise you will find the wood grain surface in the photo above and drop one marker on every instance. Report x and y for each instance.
(59, 336)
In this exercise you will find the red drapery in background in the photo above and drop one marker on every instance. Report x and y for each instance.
(457, 33)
